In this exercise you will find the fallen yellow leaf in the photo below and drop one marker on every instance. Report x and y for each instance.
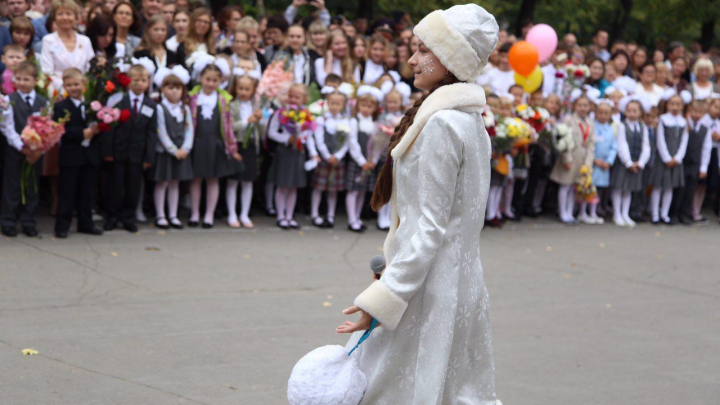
(327, 304)
(30, 352)
(113, 254)
(549, 248)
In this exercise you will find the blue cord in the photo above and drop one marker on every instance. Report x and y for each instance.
(365, 335)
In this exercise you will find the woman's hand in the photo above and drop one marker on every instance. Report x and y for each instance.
(362, 324)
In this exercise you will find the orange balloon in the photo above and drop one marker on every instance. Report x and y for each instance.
(523, 58)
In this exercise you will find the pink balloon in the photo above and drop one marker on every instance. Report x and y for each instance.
(545, 40)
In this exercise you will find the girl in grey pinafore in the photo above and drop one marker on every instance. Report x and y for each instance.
(621, 177)
(663, 177)
(210, 161)
(167, 166)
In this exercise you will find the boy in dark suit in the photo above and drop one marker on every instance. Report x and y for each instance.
(23, 103)
(79, 159)
(130, 148)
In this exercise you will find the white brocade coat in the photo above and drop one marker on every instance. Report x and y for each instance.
(435, 344)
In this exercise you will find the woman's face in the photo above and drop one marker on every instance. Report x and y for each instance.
(158, 33)
(319, 38)
(359, 49)
(647, 76)
(427, 68)
(296, 38)
(339, 46)
(65, 19)
(233, 21)
(104, 41)
(661, 77)
(241, 45)
(414, 43)
(391, 60)
(621, 63)
(109, 5)
(703, 74)
(610, 72)
(597, 70)
(658, 56)
(377, 52)
(124, 16)
(639, 57)
(202, 25)
(180, 23)
(678, 67)
(21, 37)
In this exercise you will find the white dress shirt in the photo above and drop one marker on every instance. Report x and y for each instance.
(372, 73)
(329, 123)
(320, 73)
(707, 143)
(624, 148)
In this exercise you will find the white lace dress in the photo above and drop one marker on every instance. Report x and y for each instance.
(435, 345)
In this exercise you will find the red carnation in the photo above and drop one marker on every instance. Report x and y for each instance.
(124, 115)
(124, 80)
(109, 86)
(104, 127)
(559, 75)
(579, 73)
(491, 131)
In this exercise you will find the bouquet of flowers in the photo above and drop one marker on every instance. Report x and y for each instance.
(297, 120)
(565, 141)
(318, 108)
(274, 81)
(537, 117)
(576, 75)
(107, 117)
(103, 83)
(585, 190)
(520, 133)
(40, 134)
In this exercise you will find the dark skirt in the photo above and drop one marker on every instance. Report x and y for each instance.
(209, 159)
(329, 179)
(622, 178)
(248, 166)
(288, 168)
(497, 179)
(666, 178)
(168, 167)
(358, 180)
(713, 177)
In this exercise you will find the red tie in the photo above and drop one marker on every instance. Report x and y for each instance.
(135, 107)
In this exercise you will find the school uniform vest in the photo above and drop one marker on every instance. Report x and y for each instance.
(22, 110)
(694, 146)
(672, 138)
(175, 129)
(363, 139)
(634, 140)
(331, 141)
(209, 127)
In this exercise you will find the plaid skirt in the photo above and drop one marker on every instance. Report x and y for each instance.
(357, 180)
(327, 179)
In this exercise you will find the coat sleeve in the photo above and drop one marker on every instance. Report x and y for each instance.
(439, 161)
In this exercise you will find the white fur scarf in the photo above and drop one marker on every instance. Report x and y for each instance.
(459, 96)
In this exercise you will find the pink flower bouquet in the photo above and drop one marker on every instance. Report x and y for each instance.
(39, 135)
(274, 81)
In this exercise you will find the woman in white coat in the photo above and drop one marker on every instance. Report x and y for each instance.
(434, 345)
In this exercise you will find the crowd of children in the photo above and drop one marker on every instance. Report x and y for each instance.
(286, 114)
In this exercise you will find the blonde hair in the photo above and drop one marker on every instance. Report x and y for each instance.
(145, 43)
(192, 40)
(315, 27)
(247, 23)
(347, 64)
(68, 4)
(703, 63)
(299, 87)
(138, 70)
(73, 73)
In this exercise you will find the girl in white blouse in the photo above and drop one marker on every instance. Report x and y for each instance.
(65, 48)
(337, 60)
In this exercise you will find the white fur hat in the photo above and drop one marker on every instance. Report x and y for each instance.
(462, 37)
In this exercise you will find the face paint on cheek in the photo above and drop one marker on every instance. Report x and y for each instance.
(426, 64)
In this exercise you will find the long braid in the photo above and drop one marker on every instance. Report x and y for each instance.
(384, 184)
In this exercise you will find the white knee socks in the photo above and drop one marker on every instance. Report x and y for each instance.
(493, 205)
(280, 201)
(332, 205)
(269, 195)
(195, 195)
(231, 199)
(290, 203)
(211, 200)
(626, 201)
(159, 197)
(173, 198)
(351, 206)
(566, 203)
(246, 200)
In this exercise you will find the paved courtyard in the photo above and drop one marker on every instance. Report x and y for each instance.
(580, 315)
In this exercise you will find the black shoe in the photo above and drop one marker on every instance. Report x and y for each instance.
(283, 224)
(293, 224)
(61, 234)
(380, 228)
(91, 231)
(206, 225)
(163, 226)
(270, 212)
(685, 220)
(130, 227)
(9, 231)
(701, 221)
(318, 222)
(654, 221)
(669, 221)
(532, 214)
(328, 224)
(495, 223)
(358, 230)
(177, 225)
(30, 231)
(110, 225)
(193, 224)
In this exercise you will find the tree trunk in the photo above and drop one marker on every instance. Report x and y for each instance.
(707, 34)
(527, 10)
(620, 21)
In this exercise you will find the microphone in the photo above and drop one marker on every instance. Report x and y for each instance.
(377, 265)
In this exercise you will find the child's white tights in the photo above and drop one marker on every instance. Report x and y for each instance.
(211, 199)
(658, 212)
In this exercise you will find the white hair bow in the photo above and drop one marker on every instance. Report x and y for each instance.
(203, 60)
(253, 74)
(178, 71)
(371, 90)
(146, 63)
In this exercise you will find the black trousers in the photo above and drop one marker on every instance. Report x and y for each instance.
(683, 197)
(75, 192)
(11, 208)
(125, 182)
